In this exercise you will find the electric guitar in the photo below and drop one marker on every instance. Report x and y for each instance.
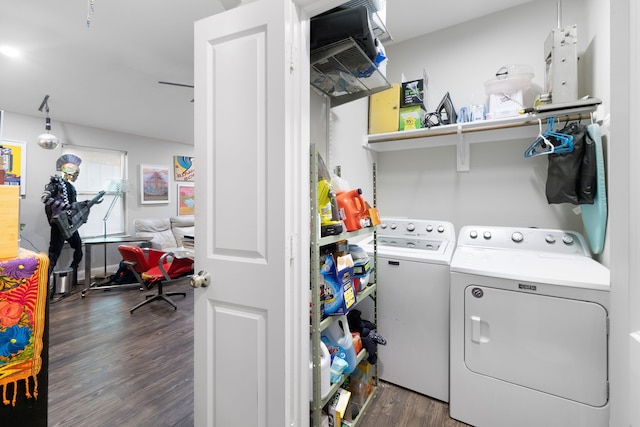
(69, 223)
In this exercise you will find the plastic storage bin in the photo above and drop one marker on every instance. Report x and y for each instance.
(506, 90)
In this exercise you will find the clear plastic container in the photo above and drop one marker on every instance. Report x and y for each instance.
(510, 79)
(325, 371)
(338, 335)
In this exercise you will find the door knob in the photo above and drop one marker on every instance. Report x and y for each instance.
(201, 279)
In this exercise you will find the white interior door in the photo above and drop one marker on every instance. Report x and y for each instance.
(251, 320)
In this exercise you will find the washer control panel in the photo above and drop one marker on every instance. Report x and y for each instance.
(416, 228)
(533, 239)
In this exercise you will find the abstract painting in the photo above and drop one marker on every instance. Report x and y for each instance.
(154, 184)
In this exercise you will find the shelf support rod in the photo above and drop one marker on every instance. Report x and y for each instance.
(462, 151)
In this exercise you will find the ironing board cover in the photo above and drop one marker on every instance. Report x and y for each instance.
(594, 217)
(23, 298)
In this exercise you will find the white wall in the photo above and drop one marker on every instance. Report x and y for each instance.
(41, 165)
(502, 187)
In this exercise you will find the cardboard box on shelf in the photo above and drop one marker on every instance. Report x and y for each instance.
(411, 117)
(338, 407)
(505, 104)
(361, 267)
(412, 93)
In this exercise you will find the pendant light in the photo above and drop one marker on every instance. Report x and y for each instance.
(47, 140)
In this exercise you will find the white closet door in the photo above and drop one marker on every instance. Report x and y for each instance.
(249, 325)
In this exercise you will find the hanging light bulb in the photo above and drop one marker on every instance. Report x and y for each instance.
(47, 140)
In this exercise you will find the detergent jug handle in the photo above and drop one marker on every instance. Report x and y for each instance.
(359, 205)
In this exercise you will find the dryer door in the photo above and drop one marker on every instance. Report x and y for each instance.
(554, 345)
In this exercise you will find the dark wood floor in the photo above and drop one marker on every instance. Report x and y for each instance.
(108, 367)
(399, 407)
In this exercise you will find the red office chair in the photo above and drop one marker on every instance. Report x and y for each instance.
(154, 267)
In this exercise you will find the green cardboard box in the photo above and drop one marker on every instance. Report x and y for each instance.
(411, 117)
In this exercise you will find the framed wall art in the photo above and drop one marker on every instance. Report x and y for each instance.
(14, 163)
(186, 198)
(183, 169)
(154, 184)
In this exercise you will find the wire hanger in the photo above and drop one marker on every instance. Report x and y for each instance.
(541, 145)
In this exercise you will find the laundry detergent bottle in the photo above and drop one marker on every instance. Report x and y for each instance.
(353, 209)
(339, 341)
(325, 372)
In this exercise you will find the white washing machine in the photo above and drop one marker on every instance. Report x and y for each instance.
(529, 329)
(413, 303)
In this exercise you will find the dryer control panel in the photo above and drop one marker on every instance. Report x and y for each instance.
(521, 238)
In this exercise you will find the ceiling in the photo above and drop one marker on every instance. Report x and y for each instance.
(106, 74)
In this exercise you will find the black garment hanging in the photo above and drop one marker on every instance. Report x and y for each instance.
(571, 177)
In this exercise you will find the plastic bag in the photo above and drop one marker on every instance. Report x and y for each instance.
(340, 185)
(571, 177)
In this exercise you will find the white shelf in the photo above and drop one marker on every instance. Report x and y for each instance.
(463, 134)
(346, 235)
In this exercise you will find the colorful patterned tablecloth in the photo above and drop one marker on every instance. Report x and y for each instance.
(23, 298)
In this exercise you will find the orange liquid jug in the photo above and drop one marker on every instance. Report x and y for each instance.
(353, 209)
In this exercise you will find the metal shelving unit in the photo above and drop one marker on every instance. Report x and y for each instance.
(317, 323)
(343, 73)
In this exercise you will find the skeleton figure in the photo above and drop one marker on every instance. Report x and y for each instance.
(60, 195)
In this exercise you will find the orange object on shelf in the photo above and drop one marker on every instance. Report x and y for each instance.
(9, 221)
(353, 209)
(374, 215)
(357, 341)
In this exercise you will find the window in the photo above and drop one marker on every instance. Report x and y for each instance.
(101, 169)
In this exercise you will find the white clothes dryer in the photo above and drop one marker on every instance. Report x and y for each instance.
(413, 303)
(529, 329)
